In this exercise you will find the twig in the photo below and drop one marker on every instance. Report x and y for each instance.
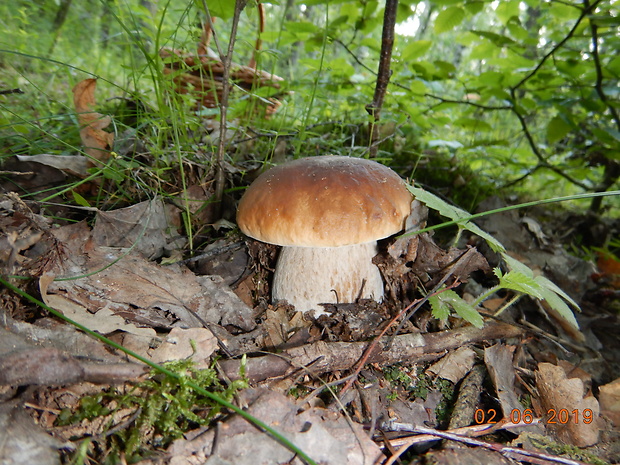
(11, 91)
(211, 253)
(543, 163)
(220, 178)
(584, 13)
(470, 103)
(516, 453)
(383, 76)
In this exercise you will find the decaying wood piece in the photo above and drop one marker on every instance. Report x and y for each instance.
(203, 74)
(322, 357)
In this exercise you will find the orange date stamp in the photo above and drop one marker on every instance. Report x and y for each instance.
(526, 416)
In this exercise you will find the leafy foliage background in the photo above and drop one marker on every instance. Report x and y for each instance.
(523, 94)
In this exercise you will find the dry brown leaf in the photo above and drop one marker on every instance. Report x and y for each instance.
(147, 226)
(97, 142)
(455, 365)
(139, 291)
(610, 401)
(22, 441)
(71, 164)
(180, 344)
(567, 406)
(499, 362)
(322, 434)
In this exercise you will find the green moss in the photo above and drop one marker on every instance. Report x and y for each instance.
(162, 409)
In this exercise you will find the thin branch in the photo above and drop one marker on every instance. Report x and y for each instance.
(599, 73)
(584, 13)
(220, 179)
(336, 40)
(542, 162)
(516, 453)
(383, 75)
(468, 102)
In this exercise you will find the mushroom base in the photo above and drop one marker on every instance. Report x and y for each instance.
(308, 276)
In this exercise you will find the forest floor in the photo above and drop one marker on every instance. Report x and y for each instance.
(365, 383)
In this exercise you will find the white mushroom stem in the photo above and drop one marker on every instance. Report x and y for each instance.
(308, 276)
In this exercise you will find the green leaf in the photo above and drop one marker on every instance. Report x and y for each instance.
(546, 283)
(448, 19)
(80, 200)
(440, 309)
(472, 124)
(474, 7)
(455, 214)
(449, 299)
(557, 129)
(496, 39)
(224, 9)
(301, 26)
(559, 306)
(415, 49)
(521, 283)
(537, 286)
(507, 10)
(516, 265)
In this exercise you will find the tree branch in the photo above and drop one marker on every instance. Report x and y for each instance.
(383, 76)
(220, 179)
(584, 13)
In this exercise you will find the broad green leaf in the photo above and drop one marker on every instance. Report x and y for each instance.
(507, 10)
(417, 87)
(521, 283)
(455, 214)
(557, 129)
(496, 39)
(614, 65)
(80, 200)
(519, 32)
(449, 18)
(224, 9)
(449, 298)
(415, 49)
(472, 124)
(559, 306)
(440, 309)
(443, 70)
(301, 26)
(474, 7)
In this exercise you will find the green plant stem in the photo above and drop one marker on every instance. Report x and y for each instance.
(534, 203)
(484, 296)
(73, 186)
(255, 421)
(509, 303)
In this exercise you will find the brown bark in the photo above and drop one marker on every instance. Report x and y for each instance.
(383, 75)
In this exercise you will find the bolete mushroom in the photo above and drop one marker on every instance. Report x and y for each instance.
(328, 213)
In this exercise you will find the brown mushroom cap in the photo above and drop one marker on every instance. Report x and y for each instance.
(326, 201)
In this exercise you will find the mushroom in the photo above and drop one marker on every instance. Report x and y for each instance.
(328, 213)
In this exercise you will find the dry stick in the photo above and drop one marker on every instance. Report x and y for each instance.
(508, 451)
(383, 76)
(220, 179)
(402, 444)
(341, 356)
